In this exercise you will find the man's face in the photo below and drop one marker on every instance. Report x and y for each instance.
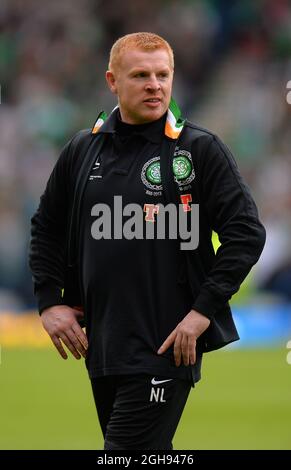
(143, 83)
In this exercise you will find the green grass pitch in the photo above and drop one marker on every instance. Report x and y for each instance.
(242, 402)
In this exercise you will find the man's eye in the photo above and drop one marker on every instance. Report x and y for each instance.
(140, 75)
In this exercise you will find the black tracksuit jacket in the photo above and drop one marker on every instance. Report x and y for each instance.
(209, 279)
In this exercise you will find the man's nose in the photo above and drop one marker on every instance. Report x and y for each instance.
(153, 84)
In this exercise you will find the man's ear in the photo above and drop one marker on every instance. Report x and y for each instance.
(111, 81)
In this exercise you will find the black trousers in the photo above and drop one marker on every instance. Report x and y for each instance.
(139, 411)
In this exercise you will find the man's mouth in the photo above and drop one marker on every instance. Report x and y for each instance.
(153, 103)
(152, 100)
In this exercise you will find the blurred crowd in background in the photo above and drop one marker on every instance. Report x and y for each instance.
(232, 65)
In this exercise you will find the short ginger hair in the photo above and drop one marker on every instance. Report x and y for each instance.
(142, 41)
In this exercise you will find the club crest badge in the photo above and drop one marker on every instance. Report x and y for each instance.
(182, 168)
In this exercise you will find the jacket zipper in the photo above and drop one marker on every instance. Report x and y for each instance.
(82, 178)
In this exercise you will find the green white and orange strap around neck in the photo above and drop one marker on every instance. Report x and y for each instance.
(173, 127)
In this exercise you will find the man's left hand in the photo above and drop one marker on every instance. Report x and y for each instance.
(184, 337)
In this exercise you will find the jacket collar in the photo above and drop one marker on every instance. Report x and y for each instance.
(173, 127)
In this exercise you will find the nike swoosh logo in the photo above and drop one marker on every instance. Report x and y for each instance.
(157, 382)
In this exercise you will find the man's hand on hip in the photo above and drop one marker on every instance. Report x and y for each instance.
(184, 337)
(61, 323)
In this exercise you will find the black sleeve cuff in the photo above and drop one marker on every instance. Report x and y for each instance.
(48, 295)
(207, 304)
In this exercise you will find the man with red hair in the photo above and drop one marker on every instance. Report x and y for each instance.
(150, 307)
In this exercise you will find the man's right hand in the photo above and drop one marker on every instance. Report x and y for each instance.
(61, 323)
